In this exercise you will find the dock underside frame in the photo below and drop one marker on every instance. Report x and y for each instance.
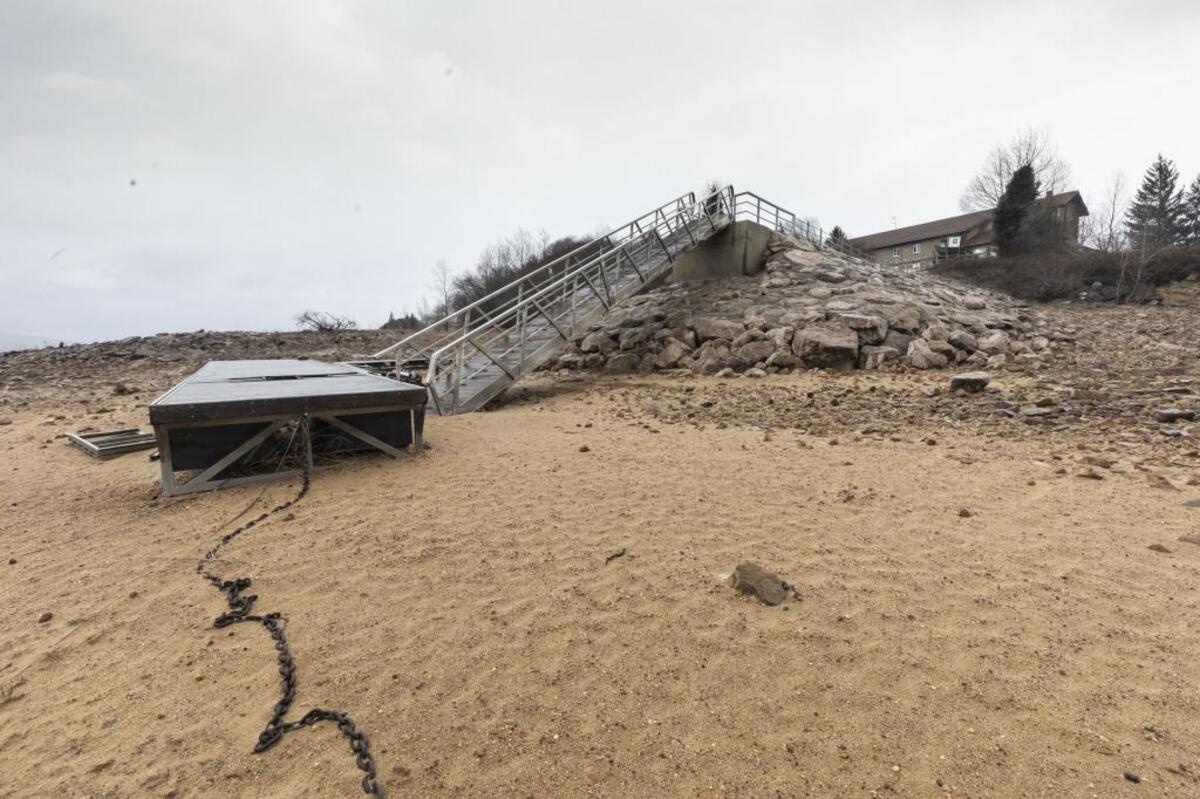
(209, 479)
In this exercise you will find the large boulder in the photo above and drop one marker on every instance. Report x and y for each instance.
(897, 340)
(870, 329)
(902, 317)
(784, 359)
(936, 332)
(826, 347)
(599, 341)
(623, 362)
(673, 351)
(964, 341)
(756, 351)
(781, 337)
(634, 337)
(801, 318)
(710, 327)
(995, 343)
(873, 357)
(920, 356)
(712, 358)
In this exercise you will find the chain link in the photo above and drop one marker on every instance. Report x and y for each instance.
(240, 610)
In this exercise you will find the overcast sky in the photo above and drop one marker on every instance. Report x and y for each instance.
(227, 163)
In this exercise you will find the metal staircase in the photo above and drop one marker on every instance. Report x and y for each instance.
(479, 350)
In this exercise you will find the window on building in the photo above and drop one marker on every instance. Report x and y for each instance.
(917, 248)
(895, 252)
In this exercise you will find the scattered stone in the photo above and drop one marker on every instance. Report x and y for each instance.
(755, 372)
(1190, 539)
(965, 513)
(1091, 474)
(585, 448)
(1129, 775)
(970, 382)
(619, 553)
(4, 420)
(1096, 460)
(750, 578)
(1169, 415)
(1159, 548)
(1160, 481)
(45, 617)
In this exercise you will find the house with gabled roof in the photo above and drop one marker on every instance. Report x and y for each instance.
(965, 235)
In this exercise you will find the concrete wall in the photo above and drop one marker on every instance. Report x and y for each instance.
(737, 250)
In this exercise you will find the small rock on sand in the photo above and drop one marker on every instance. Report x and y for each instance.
(1159, 548)
(1159, 481)
(750, 578)
(1168, 415)
(970, 382)
(45, 617)
(1096, 460)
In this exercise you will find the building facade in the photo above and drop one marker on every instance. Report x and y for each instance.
(963, 236)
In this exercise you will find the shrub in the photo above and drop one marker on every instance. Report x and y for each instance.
(1040, 277)
(323, 322)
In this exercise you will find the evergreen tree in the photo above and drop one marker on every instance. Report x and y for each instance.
(1191, 214)
(1010, 213)
(837, 237)
(1155, 218)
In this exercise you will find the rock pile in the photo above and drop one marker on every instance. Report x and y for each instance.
(812, 308)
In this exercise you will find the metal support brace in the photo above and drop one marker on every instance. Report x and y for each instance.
(595, 291)
(488, 355)
(550, 319)
(665, 248)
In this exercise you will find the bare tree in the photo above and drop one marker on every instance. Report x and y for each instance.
(324, 322)
(422, 311)
(1104, 229)
(1032, 146)
(443, 287)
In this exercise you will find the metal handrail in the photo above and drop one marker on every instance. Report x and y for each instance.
(560, 292)
(543, 272)
(636, 237)
(800, 228)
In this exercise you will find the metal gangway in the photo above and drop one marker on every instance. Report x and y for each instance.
(476, 352)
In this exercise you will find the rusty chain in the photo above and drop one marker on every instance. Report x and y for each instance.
(240, 610)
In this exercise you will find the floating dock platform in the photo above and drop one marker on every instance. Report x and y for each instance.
(229, 421)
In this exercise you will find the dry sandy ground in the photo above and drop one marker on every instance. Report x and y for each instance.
(459, 606)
